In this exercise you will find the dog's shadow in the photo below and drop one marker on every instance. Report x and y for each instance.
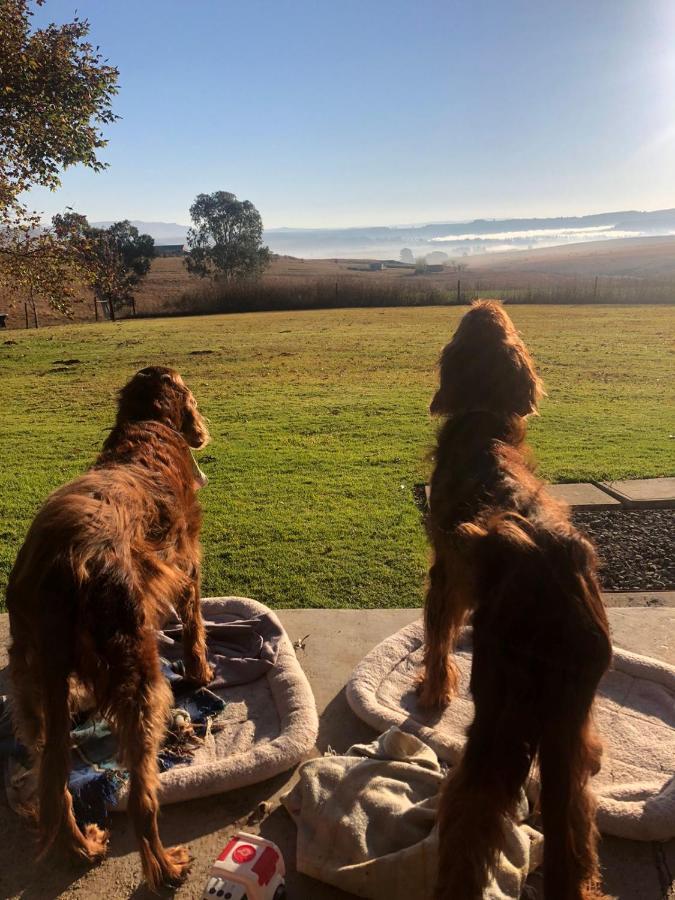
(20, 875)
(203, 825)
(181, 823)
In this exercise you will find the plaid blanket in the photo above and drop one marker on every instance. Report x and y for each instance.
(96, 776)
(241, 651)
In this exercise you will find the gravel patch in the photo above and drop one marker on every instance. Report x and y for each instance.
(635, 547)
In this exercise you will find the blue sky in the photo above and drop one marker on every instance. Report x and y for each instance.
(371, 112)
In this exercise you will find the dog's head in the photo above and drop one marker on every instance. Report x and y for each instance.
(486, 366)
(158, 394)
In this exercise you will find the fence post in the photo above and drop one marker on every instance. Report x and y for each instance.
(459, 289)
(25, 309)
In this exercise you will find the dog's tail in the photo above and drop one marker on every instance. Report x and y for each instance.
(569, 752)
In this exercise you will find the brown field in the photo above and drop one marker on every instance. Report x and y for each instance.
(640, 270)
(652, 257)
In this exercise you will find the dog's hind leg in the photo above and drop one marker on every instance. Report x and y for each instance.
(443, 616)
(139, 704)
(56, 817)
(197, 668)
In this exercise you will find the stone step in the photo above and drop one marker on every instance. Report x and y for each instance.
(643, 493)
(584, 495)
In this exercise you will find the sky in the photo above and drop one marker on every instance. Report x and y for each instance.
(328, 114)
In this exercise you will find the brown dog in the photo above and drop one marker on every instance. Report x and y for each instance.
(504, 549)
(104, 560)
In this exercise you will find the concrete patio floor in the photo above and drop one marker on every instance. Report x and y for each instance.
(337, 640)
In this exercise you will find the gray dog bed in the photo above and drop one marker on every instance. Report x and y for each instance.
(258, 717)
(635, 714)
(268, 724)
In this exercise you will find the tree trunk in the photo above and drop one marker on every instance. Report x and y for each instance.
(33, 304)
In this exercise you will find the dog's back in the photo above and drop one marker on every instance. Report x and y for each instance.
(114, 527)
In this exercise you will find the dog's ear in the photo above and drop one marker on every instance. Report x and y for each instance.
(486, 366)
(523, 389)
(446, 401)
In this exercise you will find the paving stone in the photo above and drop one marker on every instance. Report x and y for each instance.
(580, 495)
(645, 492)
(584, 495)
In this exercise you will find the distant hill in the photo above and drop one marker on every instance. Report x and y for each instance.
(460, 239)
(162, 232)
(456, 239)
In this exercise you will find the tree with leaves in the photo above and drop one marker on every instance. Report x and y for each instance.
(41, 267)
(114, 260)
(225, 240)
(55, 97)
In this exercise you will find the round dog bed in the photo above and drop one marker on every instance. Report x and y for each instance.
(635, 714)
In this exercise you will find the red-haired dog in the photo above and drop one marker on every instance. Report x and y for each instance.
(104, 560)
(505, 550)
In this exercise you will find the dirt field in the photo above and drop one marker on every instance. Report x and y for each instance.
(633, 270)
(635, 257)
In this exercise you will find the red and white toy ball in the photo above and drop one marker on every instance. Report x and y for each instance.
(249, 868)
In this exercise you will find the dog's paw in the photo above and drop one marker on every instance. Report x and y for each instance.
(592, 890)
(167, 869)
(430, 698)
(177, 862)
(94, 846)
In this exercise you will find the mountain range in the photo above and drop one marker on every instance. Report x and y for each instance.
(452, 239)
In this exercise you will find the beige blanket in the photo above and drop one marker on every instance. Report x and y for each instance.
(635, 714)
(366, 823)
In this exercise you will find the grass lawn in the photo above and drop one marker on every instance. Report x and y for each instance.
(320, 429)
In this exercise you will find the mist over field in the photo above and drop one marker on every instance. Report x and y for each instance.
(455, 239)
(460, 239)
